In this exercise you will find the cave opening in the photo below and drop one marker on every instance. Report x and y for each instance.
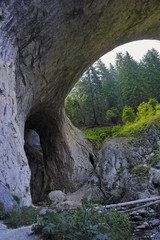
(36, 135)
(34, 153)
(46, 151)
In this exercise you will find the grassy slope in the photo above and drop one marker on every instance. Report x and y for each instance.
(129, 129)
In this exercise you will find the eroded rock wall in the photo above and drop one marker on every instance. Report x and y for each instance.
(129, 167)
(14, 169)
(45, 46)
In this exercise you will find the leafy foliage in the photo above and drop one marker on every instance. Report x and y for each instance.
(147, 116)
(94, 134)
(113, 115)
(101, 90)
(84, 222)
(128, 114)
(140, 170)
(153, 102)
(144, 110)
(17, 218)
(153, 160)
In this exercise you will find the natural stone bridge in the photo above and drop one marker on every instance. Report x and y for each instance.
(45, 46)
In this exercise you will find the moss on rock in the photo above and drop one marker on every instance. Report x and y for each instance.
(140, 170)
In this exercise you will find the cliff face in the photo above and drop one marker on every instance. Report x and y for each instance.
(45, 46)
(129, 167)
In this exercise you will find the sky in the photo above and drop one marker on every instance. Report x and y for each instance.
(136, 49)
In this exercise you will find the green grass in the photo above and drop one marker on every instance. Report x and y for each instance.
(99, 133)
(17, 218)
(127, 130)
(95, 134)
(139, 126)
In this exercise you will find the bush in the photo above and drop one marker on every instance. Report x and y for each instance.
(83, 223)
(119, 225)
(157, 107)
(153, 160)
(95, 199)
(17, 218)
(153, 102)
(98, 134)
(140, 170)
(94, 134)
(128, 114)
(112, 115)
(144, 110)
(103, 136)
(116, 130)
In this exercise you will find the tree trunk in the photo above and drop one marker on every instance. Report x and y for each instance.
(92, 99)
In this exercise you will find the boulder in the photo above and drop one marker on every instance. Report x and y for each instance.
(31, 138)
(155, 222)
(156, 236)
(57, 196)
(90, 190)
(6, 199)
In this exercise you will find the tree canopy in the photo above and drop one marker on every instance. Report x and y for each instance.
(102, 93)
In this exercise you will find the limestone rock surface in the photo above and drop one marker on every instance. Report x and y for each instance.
(128, 168)
(57, 196)
(156, 237)
(45, 46)
(61, 201)
(7, 201)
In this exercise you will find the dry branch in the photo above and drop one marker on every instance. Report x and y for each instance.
(140, 207)
(133, 202)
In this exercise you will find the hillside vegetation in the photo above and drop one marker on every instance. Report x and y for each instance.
(147, 114)
(102, 93)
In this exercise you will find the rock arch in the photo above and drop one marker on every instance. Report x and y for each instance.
(45, 47)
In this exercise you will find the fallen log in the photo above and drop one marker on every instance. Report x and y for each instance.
(132, 202)
(140, 207)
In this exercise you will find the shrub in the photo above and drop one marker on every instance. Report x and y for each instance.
(83, 223)
(107, 130)
(128, 114)
(112, 115)
(144, 109)
(94, 134)
(153, 102)
(153, 160)
(103, 136)
(119, 225)
(140, 170)
(17, 218)
(157, 107)
(95, 199)
(147, 116)
(116, 130)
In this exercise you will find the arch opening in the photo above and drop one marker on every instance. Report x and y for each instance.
(34, 154)
(46, 151)
(127, 75)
